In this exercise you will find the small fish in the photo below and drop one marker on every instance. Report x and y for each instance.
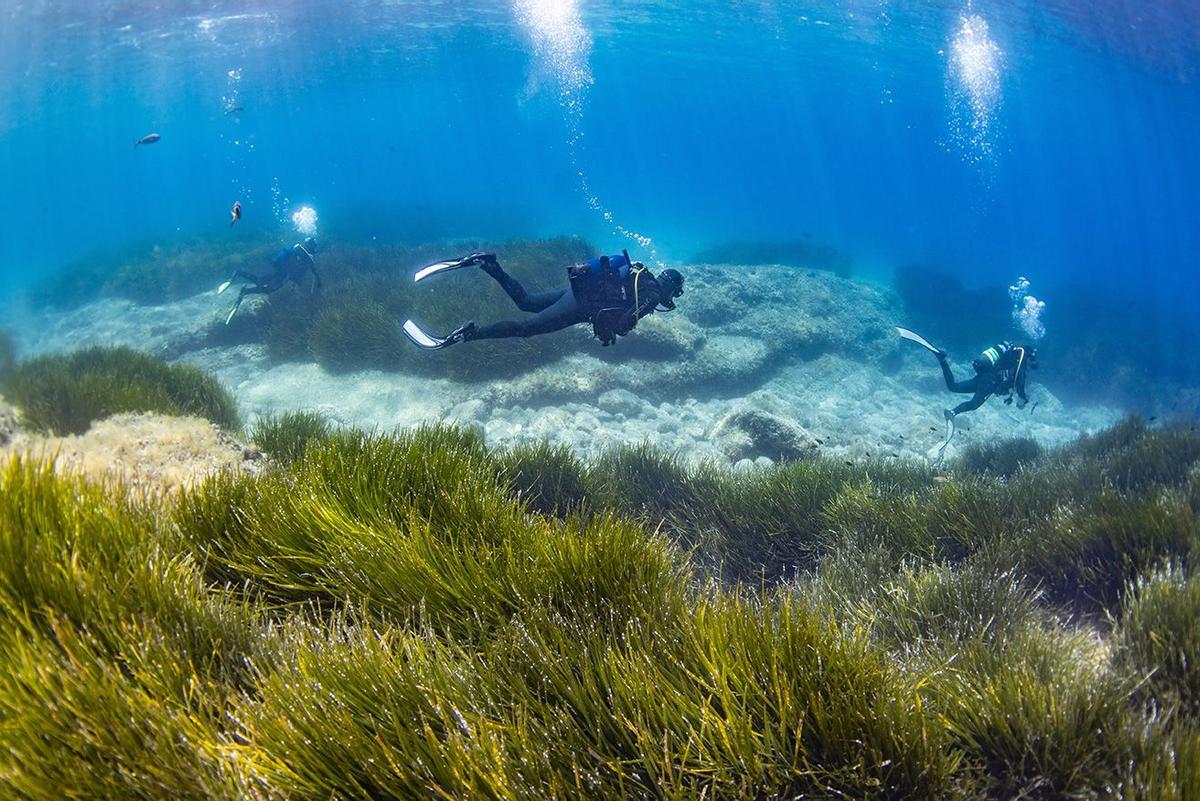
(1153, 418)
(235, 213)
(234, 109)
(148, 139)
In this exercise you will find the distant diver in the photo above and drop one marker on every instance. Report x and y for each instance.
(148, 139)
(610, 292)
(999, 370)
(235, 213)
(289, 264)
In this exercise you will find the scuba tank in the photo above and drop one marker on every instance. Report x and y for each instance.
(987, 361)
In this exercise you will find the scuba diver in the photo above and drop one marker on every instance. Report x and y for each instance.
(289, 264)
(999, 370)
(610, 292)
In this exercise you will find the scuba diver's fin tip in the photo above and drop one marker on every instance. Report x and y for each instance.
(233, 311)
(913, 336)
(447, 265)
(221, 289)
(938, 452)
(426, 341)
(421, 338)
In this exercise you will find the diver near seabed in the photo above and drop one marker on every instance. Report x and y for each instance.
(289, 264)
(610, 292)
(999, 370)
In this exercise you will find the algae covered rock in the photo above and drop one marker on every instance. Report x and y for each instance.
(160, 453)
(8, 423)
(752, 432)
(660, 337)
(797, 315)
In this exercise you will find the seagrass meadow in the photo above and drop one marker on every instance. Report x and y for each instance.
(415, 616)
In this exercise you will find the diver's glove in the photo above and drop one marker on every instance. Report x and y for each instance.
(1008, 401)
(1022, 403)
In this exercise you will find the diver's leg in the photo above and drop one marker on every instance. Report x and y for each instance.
(271, 284)
(971, 405)
(525, 301)
(265, 287)
(969, 385)
(563, 313)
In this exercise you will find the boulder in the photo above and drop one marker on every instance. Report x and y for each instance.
(756, 434)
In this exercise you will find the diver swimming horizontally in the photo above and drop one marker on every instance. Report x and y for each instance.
(610, 292)
(999, 370)
(289, 264)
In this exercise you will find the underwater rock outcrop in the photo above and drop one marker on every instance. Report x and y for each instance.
(8, 423)
(146, 451)
(751, 431)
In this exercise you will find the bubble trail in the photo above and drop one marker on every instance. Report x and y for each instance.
(305, 220)
(1027, 310)
(973, 81)
(561, 47)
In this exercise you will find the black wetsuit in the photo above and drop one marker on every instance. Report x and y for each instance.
(1006, 375)
(290, 264)
(611, 315)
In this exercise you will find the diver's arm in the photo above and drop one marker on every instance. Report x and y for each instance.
(1020, 385)
(648, 305)
(309, 262)
(1019, 377)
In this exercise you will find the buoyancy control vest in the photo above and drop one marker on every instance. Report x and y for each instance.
(1004, 361)
(608, 287)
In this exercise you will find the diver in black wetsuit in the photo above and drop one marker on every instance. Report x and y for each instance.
(289, 264)
(610, 292)
(999, 370)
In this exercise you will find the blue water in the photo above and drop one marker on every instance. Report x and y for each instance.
(1069, 154)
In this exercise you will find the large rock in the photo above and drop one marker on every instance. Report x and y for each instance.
(154, 452)
(752, 432)
(798, 314)
(8, 423)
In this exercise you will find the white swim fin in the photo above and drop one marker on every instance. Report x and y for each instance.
(449, 264)
(221, 289)
(938, 452)
(421, 338)
(913, 336)
(426, 341)
(233, 311)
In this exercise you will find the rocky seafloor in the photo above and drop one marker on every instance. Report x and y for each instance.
(757, 363)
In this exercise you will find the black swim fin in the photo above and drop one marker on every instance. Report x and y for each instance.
(452, 264)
